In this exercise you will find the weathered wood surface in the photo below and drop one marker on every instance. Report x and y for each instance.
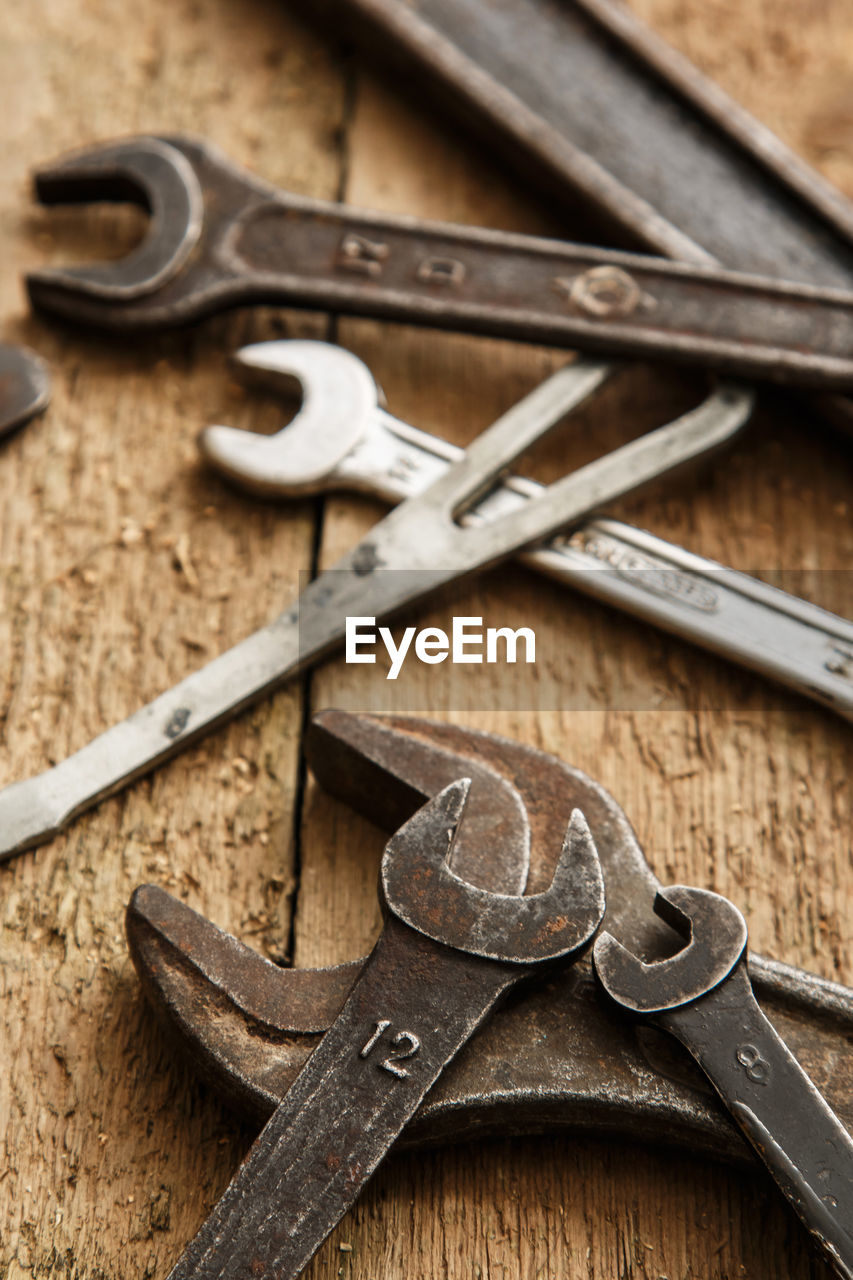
(125, 565)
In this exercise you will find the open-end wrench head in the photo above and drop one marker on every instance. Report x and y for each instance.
(419, 887)
(144, 171)
(716, 937)
(340, 400)
(24, 386)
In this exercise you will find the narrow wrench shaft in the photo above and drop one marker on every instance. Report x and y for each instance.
(782, 1114)
(447, 953)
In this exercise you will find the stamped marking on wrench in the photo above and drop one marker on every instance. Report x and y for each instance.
(357, 445)
(560, 1059)
(448, 952)
(219, 237)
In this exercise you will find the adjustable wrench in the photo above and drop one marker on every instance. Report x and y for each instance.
(343, 439)
(220, 238)
(560, 1059)
(24, 387)
(425, 547)
(447, 953)
(702, 995)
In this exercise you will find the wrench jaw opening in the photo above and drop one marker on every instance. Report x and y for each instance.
(716, 937)
(246, 1024)
(340, 400)
(457, 914)
(144, 171)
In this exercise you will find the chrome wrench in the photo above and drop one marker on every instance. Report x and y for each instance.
(342, 438)
(424, 545)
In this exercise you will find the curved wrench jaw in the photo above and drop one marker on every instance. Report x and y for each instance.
(340, 401)
(716, 937)
(562, 1058)
(143, 171)
(556, 924)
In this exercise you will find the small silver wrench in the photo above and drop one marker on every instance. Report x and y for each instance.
(448, 952)
(425, 545)
(343, 439)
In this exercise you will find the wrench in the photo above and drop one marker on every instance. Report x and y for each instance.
(24, 387)
(447, 953)
(423, 545)
(616, 124)
(220, 238)
(561, 1059)
(702, 995)
(343, 439)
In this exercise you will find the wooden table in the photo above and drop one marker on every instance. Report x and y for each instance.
(126, 565)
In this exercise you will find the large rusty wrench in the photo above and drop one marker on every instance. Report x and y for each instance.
(702, 995)
(562, 1059)
(219, 237)
(447, 953)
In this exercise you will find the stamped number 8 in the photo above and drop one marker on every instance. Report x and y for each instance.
(756, 1067)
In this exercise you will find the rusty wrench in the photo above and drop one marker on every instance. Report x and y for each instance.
(423, 545)
(24, 386)
(343, 438)
(219, 237)
(447, 953)
(561, 1059)
(702, 995)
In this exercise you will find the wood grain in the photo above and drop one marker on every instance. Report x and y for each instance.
(124, 566)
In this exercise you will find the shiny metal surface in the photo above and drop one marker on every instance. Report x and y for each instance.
(342, 439)
(423, 545)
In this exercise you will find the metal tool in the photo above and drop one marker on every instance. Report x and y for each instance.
(220, 238)
(24, 387)
(589, 106)
(416, 549)
(343, 439)
(447, 953)
(560, 1059)
(702, 996)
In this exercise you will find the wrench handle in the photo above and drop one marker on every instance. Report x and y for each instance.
(317, 254)
(412, 1009)
(780, 1111)
(732, 614)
